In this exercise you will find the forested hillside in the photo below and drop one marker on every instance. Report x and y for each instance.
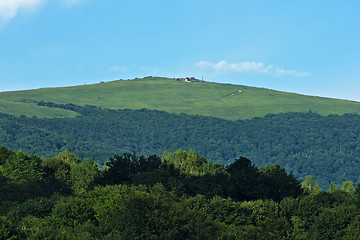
(305, 143)
(178, 196)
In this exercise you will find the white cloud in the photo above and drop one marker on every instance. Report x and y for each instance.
(10, 8)
(250, 67)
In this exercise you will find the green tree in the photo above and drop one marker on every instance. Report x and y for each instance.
(352, 231)
(140, 213)
(58, 171)
(188, 162)
(7, 230)
(4, 155)
(331, 223)
(123, 168)
(299, 228)
(71, 218)
(270, 219)
(310, 186)
(20, 167)
(348, 186)
(279, 184)
(332, 188)
(244, 181)
(83, 175)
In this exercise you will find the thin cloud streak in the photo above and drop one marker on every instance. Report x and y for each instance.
(10, 8)
(250, 67)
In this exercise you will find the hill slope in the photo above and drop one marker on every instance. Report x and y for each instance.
(328, 148)
(197, 98)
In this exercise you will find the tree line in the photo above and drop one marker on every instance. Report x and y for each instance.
(327, 148)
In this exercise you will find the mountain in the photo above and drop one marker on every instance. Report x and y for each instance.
(192, 97)
(99, 120)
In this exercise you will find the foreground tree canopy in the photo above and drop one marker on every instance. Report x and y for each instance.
(179, 196)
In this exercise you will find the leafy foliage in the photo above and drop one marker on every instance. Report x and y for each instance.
(20, 167)
(239, 201)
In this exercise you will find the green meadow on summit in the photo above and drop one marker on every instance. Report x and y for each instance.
(225, 101)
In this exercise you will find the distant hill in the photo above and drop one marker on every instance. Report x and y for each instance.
(225, 101)
(49, 120)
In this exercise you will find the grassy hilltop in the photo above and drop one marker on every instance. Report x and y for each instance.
(197, 98)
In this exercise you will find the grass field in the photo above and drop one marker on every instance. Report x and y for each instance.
(31, 109)
(198, 98)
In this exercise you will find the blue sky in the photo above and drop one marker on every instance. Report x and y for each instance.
(307, 47)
